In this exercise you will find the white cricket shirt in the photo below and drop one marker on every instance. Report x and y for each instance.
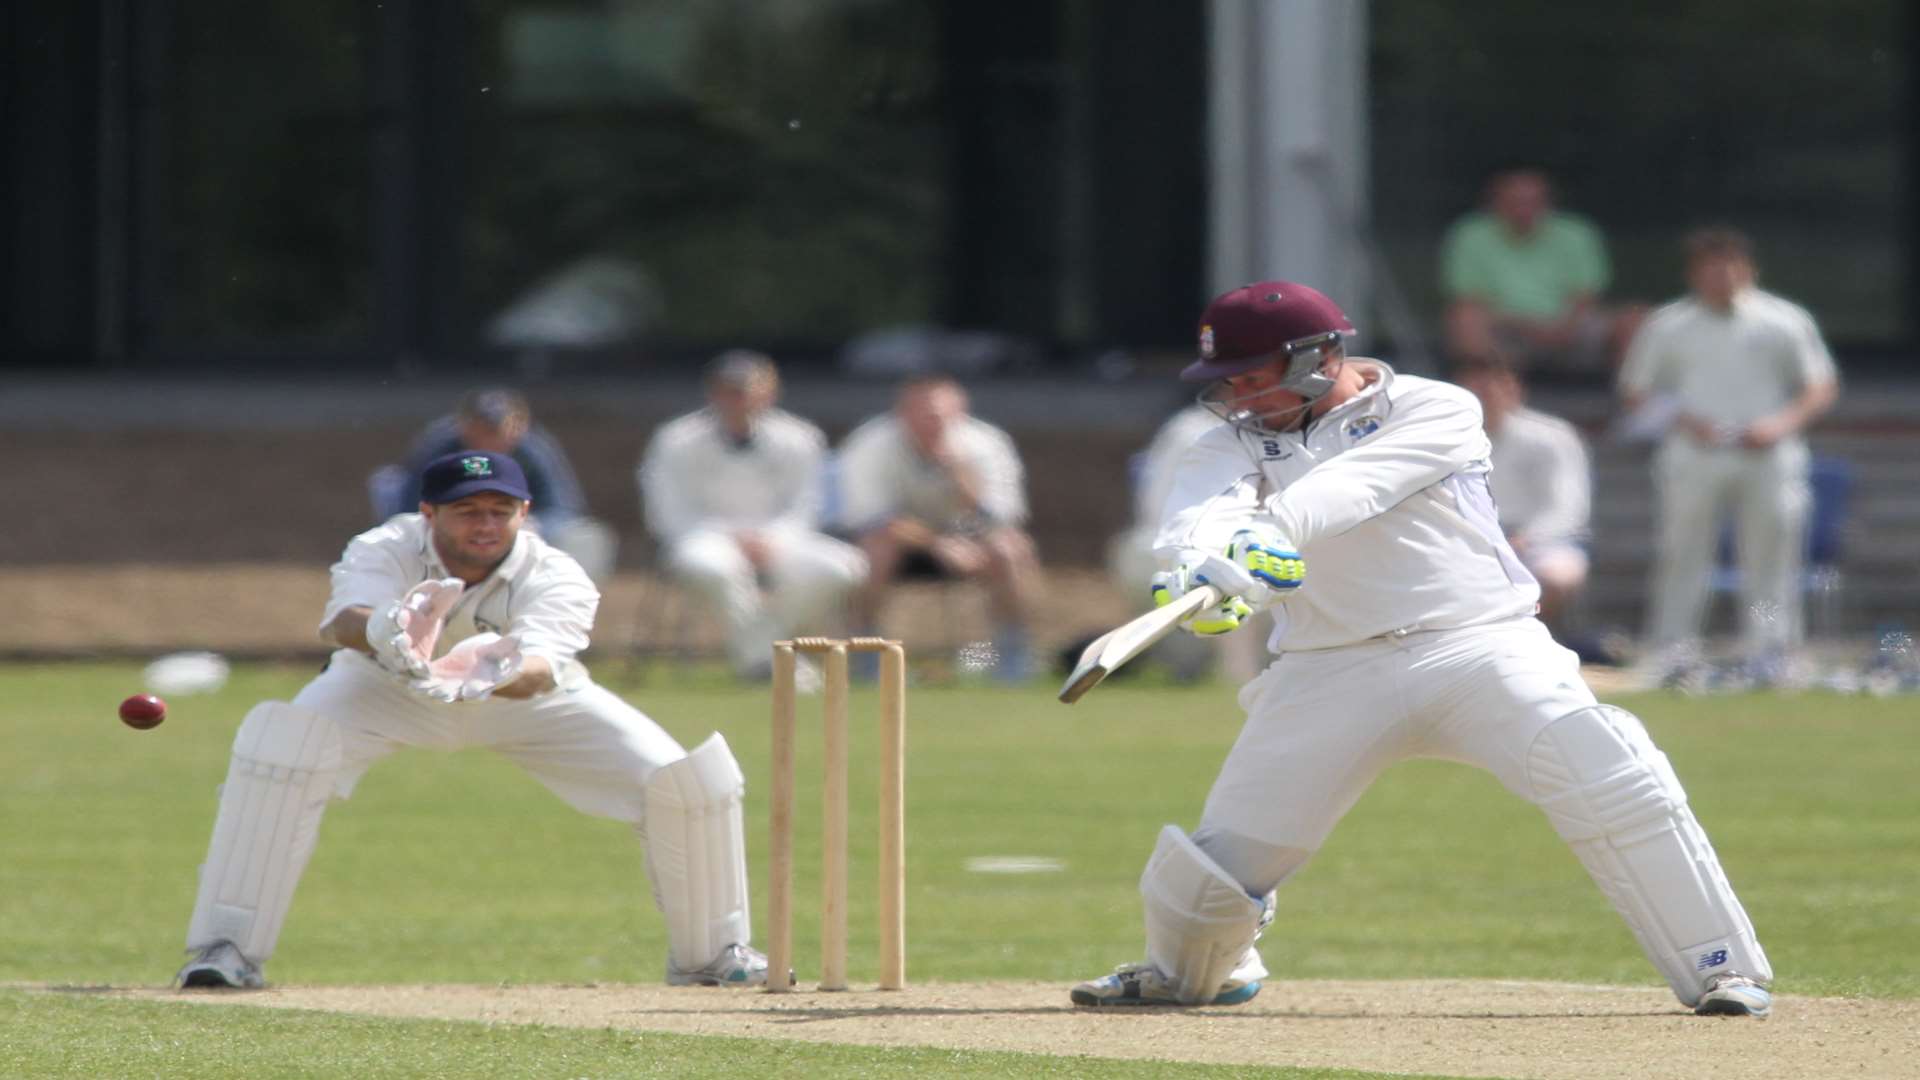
(1731, 367)
(537, 592)
(881, 477)
(1385, 497)
(1542, 481)
(695, 476)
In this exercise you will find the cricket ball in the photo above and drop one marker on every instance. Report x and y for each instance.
(143, 711)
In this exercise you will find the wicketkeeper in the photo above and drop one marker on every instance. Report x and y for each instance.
(1353, 503)
(458, 627)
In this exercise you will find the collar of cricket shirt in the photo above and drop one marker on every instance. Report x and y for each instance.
(1372, 399)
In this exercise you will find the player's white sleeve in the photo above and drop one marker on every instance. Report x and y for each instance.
(866, 495)
(1569, 504)
(1215, 493)
(1003, 479)
(1641, 372)
(800, 458)
(666, 491)
(1812, 363)
(370, 572)
(1429, 437)
(556, 621)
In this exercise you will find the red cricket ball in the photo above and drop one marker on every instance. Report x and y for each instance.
(143, 711)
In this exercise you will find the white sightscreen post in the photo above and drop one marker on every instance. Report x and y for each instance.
(1287, 141)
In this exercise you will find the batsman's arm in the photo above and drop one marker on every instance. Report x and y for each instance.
(1427, 440)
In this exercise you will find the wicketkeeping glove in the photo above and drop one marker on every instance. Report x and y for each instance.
(403, 633)
(473, 669)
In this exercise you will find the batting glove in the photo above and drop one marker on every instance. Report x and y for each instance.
(1222, 618)
(473, 669)
(1268, 558)
(403, 634)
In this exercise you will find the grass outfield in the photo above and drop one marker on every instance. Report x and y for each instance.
(459, 869)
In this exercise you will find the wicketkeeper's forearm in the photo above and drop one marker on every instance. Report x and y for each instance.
(348, 630)
(536, 677)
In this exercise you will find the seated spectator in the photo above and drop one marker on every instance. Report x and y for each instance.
(930, 490)
(1525, 280)
(1542, 484)
(1130, 559)
(734, 494)
(499, 421)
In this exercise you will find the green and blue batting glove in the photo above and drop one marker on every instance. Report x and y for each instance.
(1268, 558)
(1222, 618)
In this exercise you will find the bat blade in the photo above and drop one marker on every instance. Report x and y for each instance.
(1108, 652)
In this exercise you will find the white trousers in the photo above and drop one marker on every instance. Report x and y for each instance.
(1322, 725)
(804, 592)
(587, 746)
(1766, 492)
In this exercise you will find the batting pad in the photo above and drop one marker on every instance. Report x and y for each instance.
(1613, 797)
(284, 762)
(1201, 924)
(697, 853)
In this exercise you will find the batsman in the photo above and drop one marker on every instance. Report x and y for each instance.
(457, 626)
(1353, 504)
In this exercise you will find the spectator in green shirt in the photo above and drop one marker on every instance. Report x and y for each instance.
(1524, 280)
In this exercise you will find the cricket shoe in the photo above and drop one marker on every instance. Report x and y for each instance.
(1142, 984)
(220, 966)
(737, 965)
(1735, 995)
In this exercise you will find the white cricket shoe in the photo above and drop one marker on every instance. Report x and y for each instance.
(737, 965)
(220, 966)
(1142, 984)
(1735, 995)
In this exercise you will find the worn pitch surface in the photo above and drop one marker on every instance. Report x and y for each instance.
(1450, 1027)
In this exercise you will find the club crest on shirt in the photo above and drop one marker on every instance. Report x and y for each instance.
(1206, 342)
(1362, 427)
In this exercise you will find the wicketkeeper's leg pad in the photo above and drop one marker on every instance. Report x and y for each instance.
(697, 853)
(1613, 796)
(1201, 924)
(282, 773)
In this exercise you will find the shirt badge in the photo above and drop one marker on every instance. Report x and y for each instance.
(1362, 427)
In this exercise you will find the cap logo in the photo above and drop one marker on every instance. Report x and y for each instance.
(476, 466)
(1206, 342)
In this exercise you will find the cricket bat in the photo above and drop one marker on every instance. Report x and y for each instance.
(1117, 646)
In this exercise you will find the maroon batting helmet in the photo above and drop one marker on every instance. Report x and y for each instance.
(1256, 324)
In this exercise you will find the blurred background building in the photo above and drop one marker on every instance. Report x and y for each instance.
(418, 182)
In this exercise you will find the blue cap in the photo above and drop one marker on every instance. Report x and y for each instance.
(469, 472)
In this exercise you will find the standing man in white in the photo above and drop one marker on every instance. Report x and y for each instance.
(733, 492)
(931, 489)
(458, 627)
(1355, 503)
(1742, 372)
